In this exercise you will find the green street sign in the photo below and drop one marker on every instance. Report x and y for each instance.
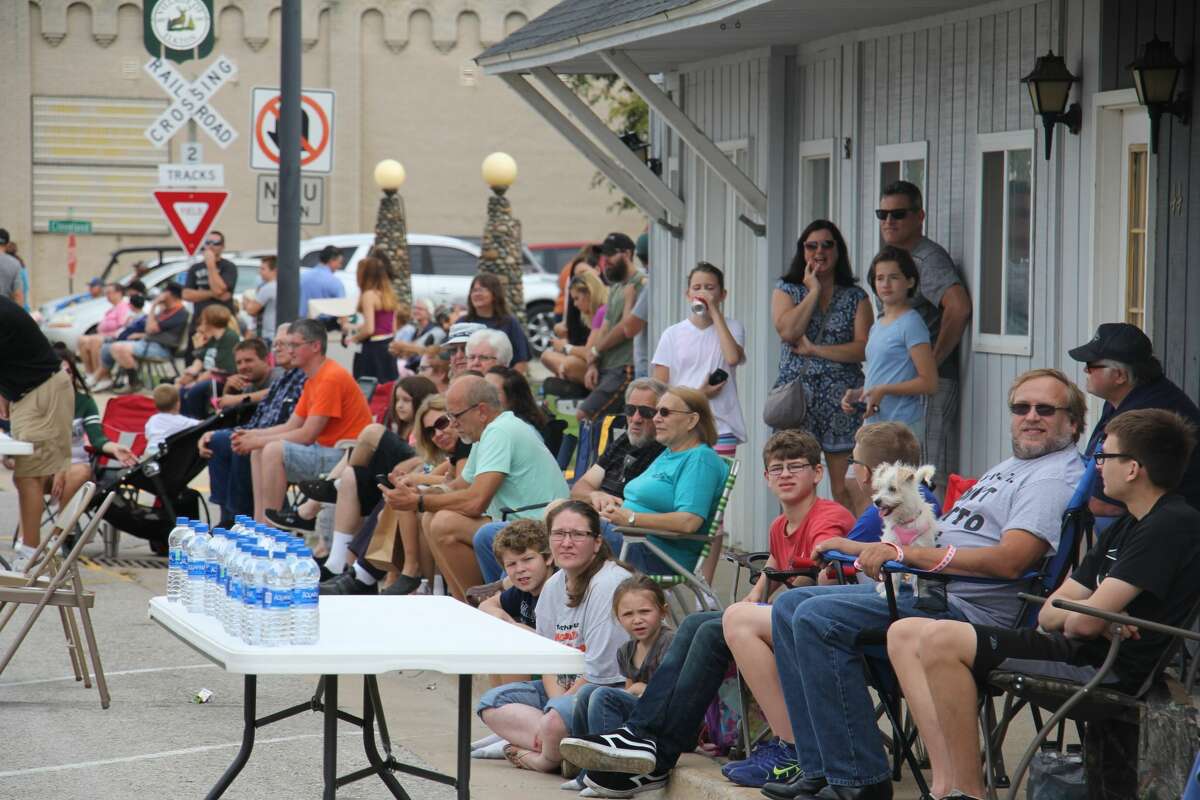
(70, 226)
(179, 30)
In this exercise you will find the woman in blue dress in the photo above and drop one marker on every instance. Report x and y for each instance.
(823, 317)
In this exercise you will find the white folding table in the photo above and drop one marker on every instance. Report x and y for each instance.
(367, 636)
(12, 447)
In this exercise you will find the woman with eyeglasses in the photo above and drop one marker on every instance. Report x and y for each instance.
(678, 493)
(823, 317)
(704, 352)
(574, 608)
(486, 304)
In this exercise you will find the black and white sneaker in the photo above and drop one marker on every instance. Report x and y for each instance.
(619, 751)
(617, 784)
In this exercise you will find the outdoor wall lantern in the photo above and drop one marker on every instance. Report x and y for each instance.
(642, 148)
(1156, 77)
(499, 172)
(1049, 87)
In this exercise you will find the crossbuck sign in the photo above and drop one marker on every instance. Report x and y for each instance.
(191, 101)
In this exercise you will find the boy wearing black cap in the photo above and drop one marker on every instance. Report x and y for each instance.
(1122, 370)
(610, 361)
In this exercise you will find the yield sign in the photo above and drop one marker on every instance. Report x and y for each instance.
(191, 215)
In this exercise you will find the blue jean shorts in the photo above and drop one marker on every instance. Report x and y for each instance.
(529, 693)
(143, 348)
(308, 462)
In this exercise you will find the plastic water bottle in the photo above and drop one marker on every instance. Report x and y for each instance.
(185, 543)
(254, 587)
(215, 564)
(232, 617)
(197, 561)
(175, 573)
(277, 602)
(306, 617)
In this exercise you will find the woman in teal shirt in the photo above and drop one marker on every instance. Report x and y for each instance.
(678, 492)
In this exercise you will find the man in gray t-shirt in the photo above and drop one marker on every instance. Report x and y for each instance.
(943, 304)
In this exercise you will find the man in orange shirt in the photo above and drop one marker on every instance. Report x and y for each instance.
(331, 408)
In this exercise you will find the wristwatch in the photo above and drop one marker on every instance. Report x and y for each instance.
(632, 517)
(421, 503)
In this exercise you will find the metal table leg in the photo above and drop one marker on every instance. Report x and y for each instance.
(331, 720)
(249, 698)
(464, 737)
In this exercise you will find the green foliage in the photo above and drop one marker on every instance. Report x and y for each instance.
(622, 108)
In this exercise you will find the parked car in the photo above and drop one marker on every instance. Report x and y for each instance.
(67, 324)
(442, 269)
(154, 255)
(554, 256)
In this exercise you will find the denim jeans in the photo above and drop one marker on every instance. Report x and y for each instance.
(229, 477)
(832, 715)
(194, 400)
(490, 568)
(671, 710)
(600, 709)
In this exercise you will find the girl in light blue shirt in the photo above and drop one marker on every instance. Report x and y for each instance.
(900, 370)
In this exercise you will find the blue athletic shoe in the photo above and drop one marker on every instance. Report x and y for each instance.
(772, 761)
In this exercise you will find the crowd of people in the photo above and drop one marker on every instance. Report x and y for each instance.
(460, 478)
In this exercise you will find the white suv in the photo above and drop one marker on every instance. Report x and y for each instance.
(442, 269)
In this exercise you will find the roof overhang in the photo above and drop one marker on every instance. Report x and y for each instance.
(710, 29)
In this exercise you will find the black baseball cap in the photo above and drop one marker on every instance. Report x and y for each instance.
(616, 243)
(3, 236)
(1117, 341)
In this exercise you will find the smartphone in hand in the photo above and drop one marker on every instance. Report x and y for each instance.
(383, 480)
(718, 376)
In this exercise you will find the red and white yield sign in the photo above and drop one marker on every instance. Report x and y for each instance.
(316, 129)
(191, 215)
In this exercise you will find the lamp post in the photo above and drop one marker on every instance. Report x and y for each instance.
(1049, 88)
(391, 234)
(1156, 77)
(500, 251)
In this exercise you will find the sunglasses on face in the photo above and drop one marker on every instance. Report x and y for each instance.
(665, 412)
(646, 412)
(895, 213)
(826, 244)
(1042, 409)
(440, 424)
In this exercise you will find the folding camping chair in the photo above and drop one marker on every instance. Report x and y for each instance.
(683, 576)
(64, 589)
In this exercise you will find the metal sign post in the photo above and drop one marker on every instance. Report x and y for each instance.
(288, 232)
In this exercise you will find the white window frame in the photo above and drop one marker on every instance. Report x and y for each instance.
(813, 149)
(906, 151)
(1003, 344)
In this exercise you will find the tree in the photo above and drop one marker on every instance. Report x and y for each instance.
(624, 111)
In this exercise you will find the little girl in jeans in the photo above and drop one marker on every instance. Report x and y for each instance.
(641, 607)
(900, 370)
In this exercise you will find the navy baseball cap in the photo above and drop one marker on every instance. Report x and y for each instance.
(1116, 341)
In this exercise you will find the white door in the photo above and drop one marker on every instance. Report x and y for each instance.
(1122, 279)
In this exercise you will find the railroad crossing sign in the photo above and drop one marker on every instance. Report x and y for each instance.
(191, 101)
(179, 30)
(190, 214)
(316, 129)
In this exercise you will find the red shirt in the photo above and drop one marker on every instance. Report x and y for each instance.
(825, 520)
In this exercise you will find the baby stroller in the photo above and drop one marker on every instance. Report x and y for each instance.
(164, 475)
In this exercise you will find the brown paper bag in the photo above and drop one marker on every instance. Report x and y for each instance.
(386, 550)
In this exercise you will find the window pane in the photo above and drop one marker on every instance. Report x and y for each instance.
(816, 188)
(991, 250)
(889, 172)
(449, 261)
(1020, 244)
(914, 172)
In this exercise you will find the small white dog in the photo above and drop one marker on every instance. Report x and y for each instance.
(907, 518)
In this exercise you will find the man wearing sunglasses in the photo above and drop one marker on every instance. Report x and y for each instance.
(943, 304)
(1123, 372)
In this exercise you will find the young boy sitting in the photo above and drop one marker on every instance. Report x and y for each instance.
(792, 461)
(168, 420)
(523, 549)
(1144, 565)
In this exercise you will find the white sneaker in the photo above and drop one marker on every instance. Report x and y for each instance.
(23, 555)
(102, 385)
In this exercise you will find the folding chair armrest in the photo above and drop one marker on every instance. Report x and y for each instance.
(506, 512)
(897, 567)
(1125, 619)
(746, 560)
(643, 532)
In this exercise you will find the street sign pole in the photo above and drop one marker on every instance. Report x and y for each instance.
(288, 231)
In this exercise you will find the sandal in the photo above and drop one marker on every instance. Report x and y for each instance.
(516, 756)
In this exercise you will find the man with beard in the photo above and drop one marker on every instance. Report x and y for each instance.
(1006, 525)
(610, 361)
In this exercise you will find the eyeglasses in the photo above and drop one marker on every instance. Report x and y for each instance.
(826, 244)
(853, 461)
(664, 412)
(292, 345)
(440, 424)
(646, 412)
(1102, 456)
(559, 535)
(1042, 409)
(478, 357)
(895, 213)
(456, 414)
(791, 468)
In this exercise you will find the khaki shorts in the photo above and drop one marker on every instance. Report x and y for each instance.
(43, 418)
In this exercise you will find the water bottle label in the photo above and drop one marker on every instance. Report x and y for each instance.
(252, 596)
(173, 559)
(235, 591)
(197, 570)
(277, 599)
(212, 571)
(223, 575)
(306, 595)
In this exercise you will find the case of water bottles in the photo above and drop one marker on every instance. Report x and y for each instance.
(260, 583)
